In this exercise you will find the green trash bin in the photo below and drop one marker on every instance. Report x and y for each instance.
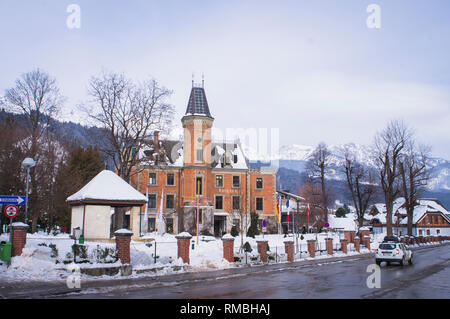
(81, 240)
(5, 251)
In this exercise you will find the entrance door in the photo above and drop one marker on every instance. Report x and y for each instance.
(219, 226)
(120, 218)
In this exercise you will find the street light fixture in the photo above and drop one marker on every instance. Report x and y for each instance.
(28, 163)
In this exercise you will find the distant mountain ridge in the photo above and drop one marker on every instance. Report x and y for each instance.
(292, 160)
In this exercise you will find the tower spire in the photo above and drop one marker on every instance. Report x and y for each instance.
(198, 104)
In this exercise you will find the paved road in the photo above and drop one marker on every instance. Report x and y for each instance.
(428, 277)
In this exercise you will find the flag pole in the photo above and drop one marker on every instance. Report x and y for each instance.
(309, 214)
(279, 215)
(198, 200)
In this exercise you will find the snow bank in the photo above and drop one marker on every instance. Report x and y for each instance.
(156, 254)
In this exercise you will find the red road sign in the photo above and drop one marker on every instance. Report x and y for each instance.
(11, 211)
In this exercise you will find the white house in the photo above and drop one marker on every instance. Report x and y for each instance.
(429, 218)
(293, 204)
(105, 204)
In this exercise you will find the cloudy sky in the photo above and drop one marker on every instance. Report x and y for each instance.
(313, 69)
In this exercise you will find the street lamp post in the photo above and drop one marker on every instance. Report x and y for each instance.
(27, 163)
(297, 224)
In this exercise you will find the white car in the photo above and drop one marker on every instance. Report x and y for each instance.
(393, 252)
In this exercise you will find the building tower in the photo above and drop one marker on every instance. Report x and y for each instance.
(196, 175)
(197, 124)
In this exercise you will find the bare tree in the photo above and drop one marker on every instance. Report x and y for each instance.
(415, 176)
(11, 181)
(317, 169)
(313, 196)
(37, 97)
(389, 145)
(360, 183)
(128, 112)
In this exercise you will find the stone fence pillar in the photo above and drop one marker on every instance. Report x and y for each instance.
(262, 249)
(329, 244)
(344, 245)
(356, 242)
(349, 235)
(123, 240)
(363, 231)
(312, 247)
(228, 247)
(289, 250)
(18, 238)
(183, 241)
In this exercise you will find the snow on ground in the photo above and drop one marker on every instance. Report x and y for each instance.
(38, 260)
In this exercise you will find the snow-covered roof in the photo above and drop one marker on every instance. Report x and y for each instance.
(424, 206)
(342, 223)
(290, 195)
(399, 211)
(381, 208)
(107, 186)
(223, 154)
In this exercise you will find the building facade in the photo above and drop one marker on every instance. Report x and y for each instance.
(430, 218)
(202, 184)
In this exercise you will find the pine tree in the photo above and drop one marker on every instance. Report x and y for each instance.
(80, 167)
(253, 230)
(234, 231)
(340, 212)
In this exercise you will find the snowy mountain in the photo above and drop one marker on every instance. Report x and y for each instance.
(294, 157)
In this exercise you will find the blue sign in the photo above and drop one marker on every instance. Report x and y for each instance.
(264, 223)
(13, 200)
(326, 225)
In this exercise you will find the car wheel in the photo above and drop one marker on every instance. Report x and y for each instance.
(402, 262)
(378, 262)
(410, 261)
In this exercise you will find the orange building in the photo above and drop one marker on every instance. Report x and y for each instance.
(204, 178)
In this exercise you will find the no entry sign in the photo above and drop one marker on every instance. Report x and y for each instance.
(11, 211)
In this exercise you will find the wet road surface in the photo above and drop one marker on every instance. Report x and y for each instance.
(428, 277)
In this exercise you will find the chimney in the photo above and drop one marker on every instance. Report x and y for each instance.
(156, 144)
